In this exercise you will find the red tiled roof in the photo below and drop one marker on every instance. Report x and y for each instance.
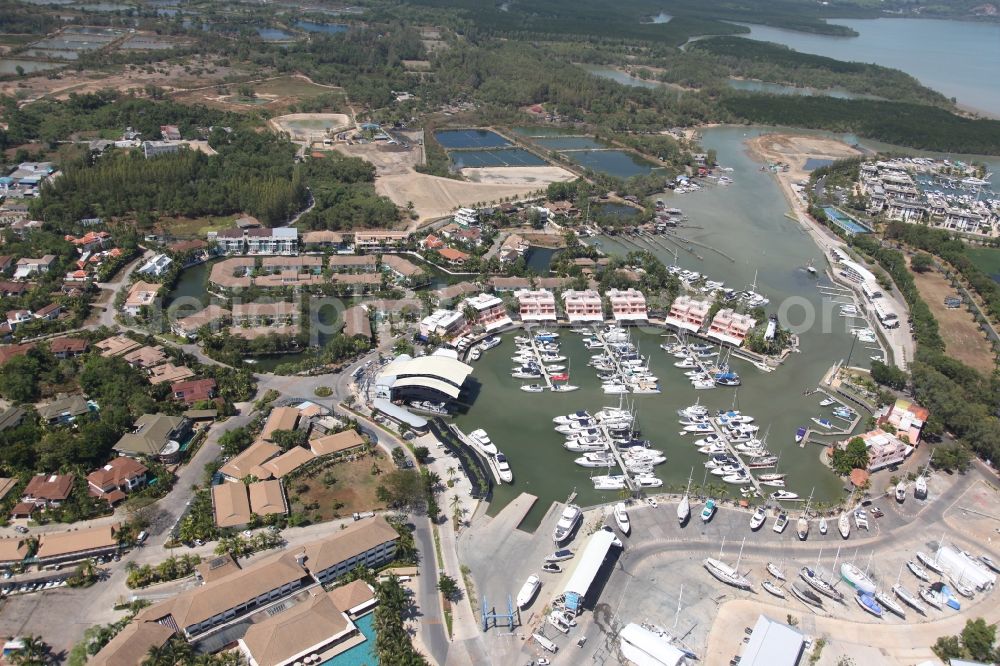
(54, 487)
(70, 345)
(194, 390)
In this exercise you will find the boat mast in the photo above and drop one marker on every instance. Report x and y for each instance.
(722, 546)
(677, 615)
(740, 556)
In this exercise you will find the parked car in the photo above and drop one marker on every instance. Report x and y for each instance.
(21, 529)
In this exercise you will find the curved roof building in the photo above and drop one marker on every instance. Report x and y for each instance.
(438, 377)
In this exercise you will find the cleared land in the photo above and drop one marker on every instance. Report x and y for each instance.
(433, 196)
(964, 339)
(310, 126)
(353, 489)
(795, 149)
(271, 94)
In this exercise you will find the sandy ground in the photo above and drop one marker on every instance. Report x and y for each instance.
(338, 122)
(201, 71)
(433, 196)
(387, 159)
(964, 339)
(794, 150)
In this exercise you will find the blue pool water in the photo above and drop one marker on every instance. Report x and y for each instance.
(495, 158)
(470, 139)
(359, 655)
(844, 222)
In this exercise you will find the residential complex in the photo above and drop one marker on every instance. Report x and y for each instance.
(688, 314)
(583, 306)
(536, 305)
(628, 305)
(730, 327)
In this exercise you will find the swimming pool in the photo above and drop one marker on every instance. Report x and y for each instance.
(844, 222)
(359, 655)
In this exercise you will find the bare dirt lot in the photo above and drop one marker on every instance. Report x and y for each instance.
(433, 196)
(352, 488)
(273, 94)
(192, 73)
(389, 160)
(794, 150)
(963, 338)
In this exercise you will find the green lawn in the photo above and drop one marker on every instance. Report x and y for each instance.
(986, 259)
(291, 86)
(198, 226)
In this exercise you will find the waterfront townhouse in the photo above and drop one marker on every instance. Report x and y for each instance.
(402, 268)
(116, 479)
(453, 256)
(213, 316)
(884, 449)
(256, 241)
(536, 305)
(116, 345)
(352, 263)
(313, 241)
(491, 313)
(905, 211)
(966, 221)
(156, 266)
(140, 295)
(583, 306)
(233, 273)
(442, 323)
(265, 314)
(730, 327)
(306, 264)
(357, 322)
(907, 418)
(375, 240)
(628, 304)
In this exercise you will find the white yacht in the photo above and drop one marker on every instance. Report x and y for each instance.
(596, 459)
(780, 523)
(844, 525)
(901, 492)
(570, 519)
(503, 468)
(482, 442)
(861, 519)
(528, 591)
(622, 519)
(614, 482)
(758, 518)
(532, 388)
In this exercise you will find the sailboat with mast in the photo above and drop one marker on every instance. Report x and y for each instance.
(684, 508)
(802, 524)
(888, 602)
(906, 596)
(725, 573)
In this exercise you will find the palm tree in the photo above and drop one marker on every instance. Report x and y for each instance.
(452, 473)
(34, 652)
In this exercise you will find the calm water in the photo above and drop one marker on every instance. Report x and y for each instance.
(495, 158)
(274, 35)
(8, 66)
(621, 77)
(959, 59)
(570, 143)
(538, 259)
(470, 139)
(615, 209)
(779, 89)
(746, 220)
(617, 163)
(328, 28)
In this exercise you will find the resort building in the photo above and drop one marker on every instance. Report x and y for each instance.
(884, 449)
(402, 268)
(442, 323)
(336, 443)
(907, 418)
(491, 313)
(234, 504)
(140, 295)
(688, 314)
(155, 436)
(731, 327)
(58, 547)
(131, 645)
(453, 256)
(324, 240)
(230, 598)
(628, 305)
(313, 626)
(213, 316)
(233, 273)
(583, 306)
(536, 305)
(280, 418)
(12, 551)
(248, 462)
(855, 272)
